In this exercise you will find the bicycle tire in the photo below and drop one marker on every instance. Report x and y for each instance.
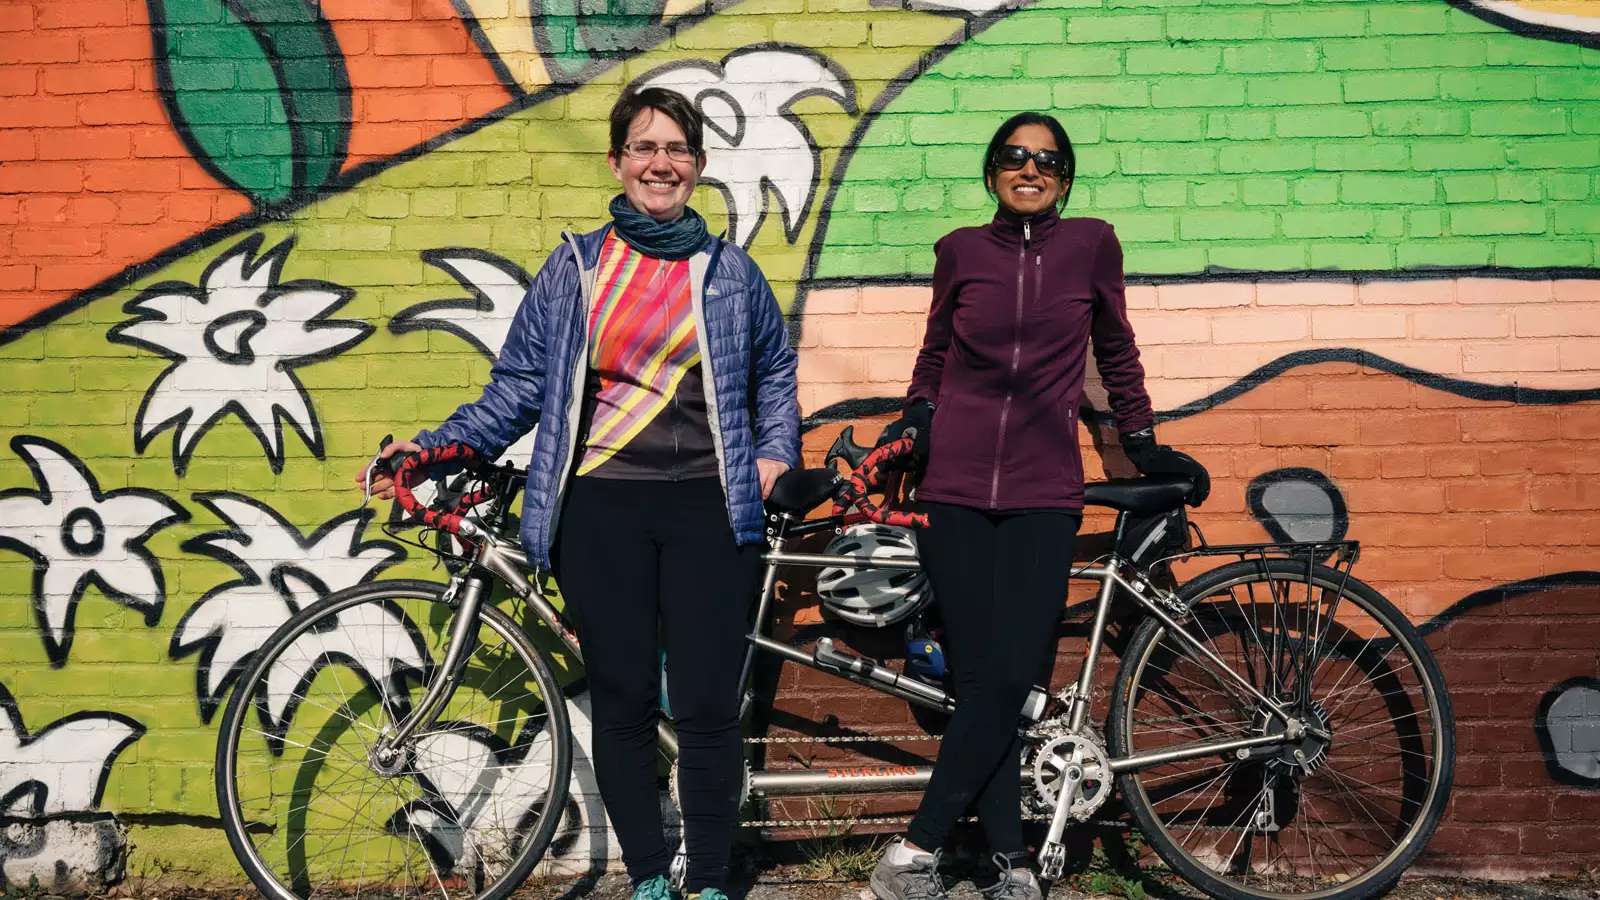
(1420, 806)
(251, 700)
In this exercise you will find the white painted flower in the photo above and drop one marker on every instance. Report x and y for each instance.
(63, 768)
(281, 572)
(496, 286)
(754, 139)
(234, 341)
(78, 535)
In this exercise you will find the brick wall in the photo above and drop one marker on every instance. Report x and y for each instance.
(1360, 239)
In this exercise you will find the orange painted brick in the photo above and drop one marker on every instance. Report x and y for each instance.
(16, 17)
(1248, 462)
(1488, 494)
(1214, 427)
(895, 299)
(891, 365)
(1400, 565)
(1341, 324)
(88, 79)
(120, 109)
(1579, 354)
(190, 207)
(1526, 423)
(1433, 531)
(411, 106)
(149, 175)
(1140, 296)
(1305, 458)
(1521, 356)
(17, 145)
(106, 143)
(19, 81)
(39, 112)
(1382, 428)
(115, 44)
(1461, 323)
(40, 48)
(401, 39)
(458, 71)
(1354, 462)
(1305, 293)
(41, 177)
(1394, 496)
(83, 14)
(1155, 328)
(1422, 291)
(1385, 392)
(1448, 462)
(1580, 423)
(92, 210)
(902, 330)
(1205, 295)
(374, 138)
(832, 365)
(1558, 492)
(1260, 327)
(1575, 289)
(1559, 320)
(1503, 290)
(45, 209)
(1405, 463)
(1472, 564)
(16, 277)
(827, 301)
(58, 241)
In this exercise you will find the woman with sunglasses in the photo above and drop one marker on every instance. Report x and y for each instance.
(993, 405)
(655, 362)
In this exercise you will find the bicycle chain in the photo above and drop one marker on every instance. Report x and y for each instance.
(869, 739)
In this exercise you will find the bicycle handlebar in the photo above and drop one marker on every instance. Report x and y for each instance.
(410, 470)
(869, 475)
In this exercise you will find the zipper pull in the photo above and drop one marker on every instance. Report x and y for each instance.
(1027, 233)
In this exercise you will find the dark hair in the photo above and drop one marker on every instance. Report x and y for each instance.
(1063, 143)
(671, 104)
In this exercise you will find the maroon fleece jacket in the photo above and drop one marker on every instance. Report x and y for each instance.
(1016, 305)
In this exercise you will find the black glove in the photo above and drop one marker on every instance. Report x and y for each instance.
(1151, 458)
(916, 423)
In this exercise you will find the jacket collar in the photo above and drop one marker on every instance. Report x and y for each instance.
(1008, 224)
(590, 242)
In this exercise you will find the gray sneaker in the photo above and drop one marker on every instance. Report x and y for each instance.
(1013, 883)
(916, 880)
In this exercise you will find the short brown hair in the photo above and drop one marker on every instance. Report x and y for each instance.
(671, 104)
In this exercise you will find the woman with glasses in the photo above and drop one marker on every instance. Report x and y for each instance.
(656, 445)
(993, 405)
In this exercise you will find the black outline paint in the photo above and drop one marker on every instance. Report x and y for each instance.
(719, 70)
(1541, 731)
(411, 318)
(144, 436)
(135, 546)
(261, 33)
(13, 713)
(205, 544)
(1255, 494)
(1524, 28)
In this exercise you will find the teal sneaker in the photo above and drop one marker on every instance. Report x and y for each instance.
(708, 894)
(653, 889)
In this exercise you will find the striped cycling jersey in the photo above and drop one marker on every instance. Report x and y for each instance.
(644, 413)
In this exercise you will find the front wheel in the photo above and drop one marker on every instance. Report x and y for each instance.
(464, 809)
(1337, 815)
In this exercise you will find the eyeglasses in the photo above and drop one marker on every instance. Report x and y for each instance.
(644, 151)
(1012, 157)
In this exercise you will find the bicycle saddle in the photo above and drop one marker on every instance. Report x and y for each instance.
(800, 490)
(1140, 496)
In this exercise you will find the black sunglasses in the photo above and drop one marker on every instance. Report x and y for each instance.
(1012, 157)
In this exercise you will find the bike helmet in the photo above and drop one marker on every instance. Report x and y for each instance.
(870, 596)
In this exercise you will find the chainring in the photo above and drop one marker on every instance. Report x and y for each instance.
(1050, 762)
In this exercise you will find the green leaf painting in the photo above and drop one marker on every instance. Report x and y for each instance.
(257, 89)
(577, 36)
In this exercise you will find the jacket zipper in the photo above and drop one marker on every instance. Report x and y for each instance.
(1016, 359)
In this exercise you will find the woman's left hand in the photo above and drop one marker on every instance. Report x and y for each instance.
(769, 470)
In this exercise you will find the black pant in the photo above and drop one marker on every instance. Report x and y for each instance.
(1000, 581)
(632, 556)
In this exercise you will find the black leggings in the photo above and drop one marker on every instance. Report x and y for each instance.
(630, 555)
(1000, 581)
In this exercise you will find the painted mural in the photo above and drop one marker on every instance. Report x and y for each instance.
(245, 239)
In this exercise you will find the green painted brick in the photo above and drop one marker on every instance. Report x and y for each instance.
(1022, 28)
(845, 228)
(1516, 50)
(1518, 188)
(1568, 86)
(1413, 18)
(1572, 218)
(909, 32)
(956, 162)
(1518, 119)
(821, 31)
(1239, 126)
(1266, 192)
(930, 95)
(1421, 223)
(1468, 188)
(1525, 253)
(1116, 195)
(1418, 121)
(959, 128)
(411, 235)
(1168, 60)
(1216, 193)
(1498, 219)
(1323, 122)
(1369, 87)
(1003, 96)
(1215, 26)
(889, 163)
(1480, 85)
(1464, 154)
(870, 198)
(1166, 193)
(1344, 156)
(59, 375)
(1555, 154)
(1167, 160)
(983, 62)
(95, 409)
(1115, 29)
(1165, 259)
(1085, 127)
(1386, 189)
(1260, 257)
(1442, 51)
(1273, 157)
(1317, 23)
(1586, 120)
(1281, 90)
(1389, 223)
(1568, 185)
(1271, 57)
(928, 196)
(1213, 91)
(386, 204)
(1146, 227)
(1155, 126)
(1307, 223)
(1353, 54)
(1058, 62)
(1107, 92)
(1346, 255)
(1229, 224)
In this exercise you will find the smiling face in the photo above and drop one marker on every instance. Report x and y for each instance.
(1027, 190)
(659, 186)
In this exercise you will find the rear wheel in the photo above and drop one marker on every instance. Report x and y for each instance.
(1340, 815)
(465, 809)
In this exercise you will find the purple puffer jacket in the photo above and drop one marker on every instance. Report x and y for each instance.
(1016, 305)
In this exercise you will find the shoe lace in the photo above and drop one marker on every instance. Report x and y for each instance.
(1005, 888)
(922, 882)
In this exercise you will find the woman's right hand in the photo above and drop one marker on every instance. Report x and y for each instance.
(917, 423)
(382, 481)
